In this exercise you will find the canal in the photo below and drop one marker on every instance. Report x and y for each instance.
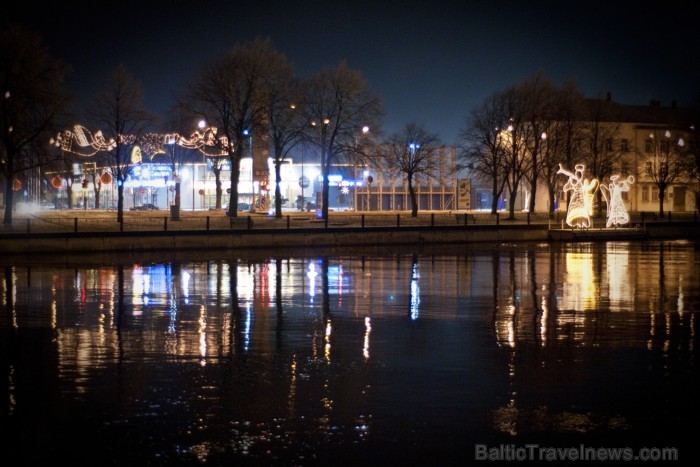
(425, 357)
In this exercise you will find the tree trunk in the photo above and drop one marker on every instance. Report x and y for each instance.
(120, 200)
(217, 181)
(494, 196)
(278, 192)
(552, 201)
(235, 176)
(533, 195)
(511, 205)
(412, 195)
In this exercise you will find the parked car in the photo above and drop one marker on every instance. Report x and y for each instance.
(145, 207)
(242, 207)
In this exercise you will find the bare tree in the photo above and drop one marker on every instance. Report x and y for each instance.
(538, 91)
(482, 149)
(119, 111)
(665, 162)
(227, 94)
(339, 103)
(694, 149)
(600, 132)
(562, 137)
(33, 99)
(412, 153)
(171, 148)
(519, 132)
(284, 111)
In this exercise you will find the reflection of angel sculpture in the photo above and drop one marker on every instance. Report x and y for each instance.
(581, 199)
(617, 213)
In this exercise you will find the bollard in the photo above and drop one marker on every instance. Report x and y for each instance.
(288, 217)
(325, 221)
(29, 221)
(250, 223)
(165, 224)
(498, 219)
(75, 224)
(528, 218)
(398, 220)
(362, 222)
(207, 222)
(121, 225)
(432, 219)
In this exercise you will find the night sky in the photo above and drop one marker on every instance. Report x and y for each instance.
(432, 62)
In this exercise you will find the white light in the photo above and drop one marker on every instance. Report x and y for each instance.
(365, 129)
(201, 124)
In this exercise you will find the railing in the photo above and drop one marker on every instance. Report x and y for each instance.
(69, 221)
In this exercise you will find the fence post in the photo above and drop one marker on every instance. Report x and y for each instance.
(362, 223)
(498, 218)
(288, 221)
(398, 220)
(528, 218)
(669, 217)
(121, 225)
(325, 221)
(466, 216)
(432, 219)
(250, 223)
(75, 224)
(165, 224)
(29, 221)
(207, 222)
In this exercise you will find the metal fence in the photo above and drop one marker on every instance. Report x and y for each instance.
(67, 221)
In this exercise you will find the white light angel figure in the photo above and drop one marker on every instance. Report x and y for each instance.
(581, 199)
(617, 213)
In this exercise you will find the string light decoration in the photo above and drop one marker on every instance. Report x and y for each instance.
(617, 213)
(80, 141)
(581, 201)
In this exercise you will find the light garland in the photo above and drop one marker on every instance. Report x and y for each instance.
(80, 141)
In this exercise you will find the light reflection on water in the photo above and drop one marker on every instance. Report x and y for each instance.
(399, 357)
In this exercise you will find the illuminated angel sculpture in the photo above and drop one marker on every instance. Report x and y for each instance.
(617, 213)
(581, 199)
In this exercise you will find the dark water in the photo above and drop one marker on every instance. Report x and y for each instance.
(400, 358)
